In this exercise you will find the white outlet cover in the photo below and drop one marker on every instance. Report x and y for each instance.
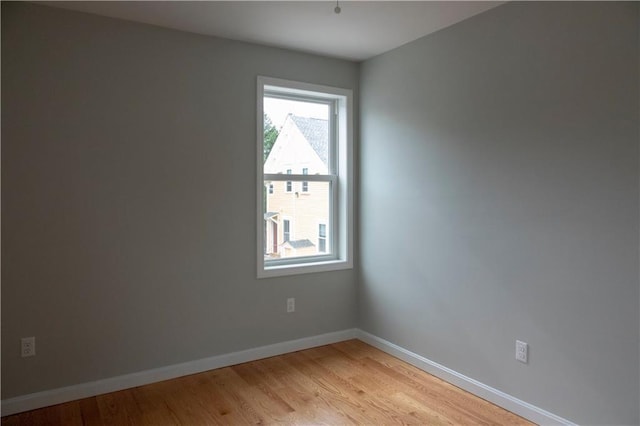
(27, 346)
(522, 351)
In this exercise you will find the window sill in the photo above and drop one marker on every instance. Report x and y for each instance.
(306, 268)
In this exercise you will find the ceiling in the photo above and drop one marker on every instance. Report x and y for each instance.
(362, 30)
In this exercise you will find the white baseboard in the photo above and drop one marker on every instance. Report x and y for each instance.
(501, 399)
(85, 390)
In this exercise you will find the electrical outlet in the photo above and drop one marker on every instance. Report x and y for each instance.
(522, 351)
(291, 305)
(28, 346)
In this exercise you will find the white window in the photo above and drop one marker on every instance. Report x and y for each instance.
(289, 183)
(286, 230)
(314, 137)
(322, 238)
(305, 183)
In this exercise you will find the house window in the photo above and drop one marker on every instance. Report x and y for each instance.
(314, 130)
(286, 230)
(305, 183)
(289, 183)
(322, 238)
(270, 188)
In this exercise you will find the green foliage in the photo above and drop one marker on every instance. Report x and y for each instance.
(270, 136)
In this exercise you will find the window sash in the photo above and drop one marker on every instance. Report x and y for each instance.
(331, 250)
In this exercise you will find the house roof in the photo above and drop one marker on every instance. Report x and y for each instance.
(316, 131)
(297, 244)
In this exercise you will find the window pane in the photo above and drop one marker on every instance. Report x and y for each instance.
(292, 220)
(296, 136)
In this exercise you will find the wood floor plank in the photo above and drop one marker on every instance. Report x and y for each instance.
(458, 410)
(435, 388)
(317, 396)
(186, 404)
(234, 389)
(153, 405)
(393, 408)
(331, 390)
(335, 370)
(344, 383)
(268, 397)
(216, 401)
(111, 412)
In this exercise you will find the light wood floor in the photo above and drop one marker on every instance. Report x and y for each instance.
(344, 383)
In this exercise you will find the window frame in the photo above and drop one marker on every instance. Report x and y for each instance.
(340, 178)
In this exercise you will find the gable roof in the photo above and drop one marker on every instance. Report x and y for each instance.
(316, 132)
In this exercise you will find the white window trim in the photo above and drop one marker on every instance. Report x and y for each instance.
(342, 221)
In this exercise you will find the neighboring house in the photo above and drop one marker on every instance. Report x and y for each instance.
(296, 214)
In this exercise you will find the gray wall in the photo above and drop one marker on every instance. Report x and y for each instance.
(128, 197)
(499, 201)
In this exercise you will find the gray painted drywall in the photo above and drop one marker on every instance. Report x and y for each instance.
(128, 195)
(499, 201)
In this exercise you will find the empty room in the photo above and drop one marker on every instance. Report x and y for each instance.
(320, 212)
